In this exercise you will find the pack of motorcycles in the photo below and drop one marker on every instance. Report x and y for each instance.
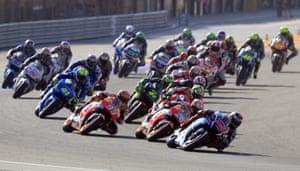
(159, 122)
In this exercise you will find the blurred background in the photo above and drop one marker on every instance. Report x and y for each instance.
(32, 10)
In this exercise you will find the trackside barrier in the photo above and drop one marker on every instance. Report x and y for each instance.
(50, 31)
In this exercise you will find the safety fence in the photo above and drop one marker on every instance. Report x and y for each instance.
(78, 28)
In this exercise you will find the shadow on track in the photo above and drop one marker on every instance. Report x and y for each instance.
(289, 72)
(29, 98)
(266, 85)
(105, 135)
(227, 153)
(55, 118)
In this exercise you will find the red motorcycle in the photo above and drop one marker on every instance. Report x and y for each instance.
(92, 117)
(162, 122)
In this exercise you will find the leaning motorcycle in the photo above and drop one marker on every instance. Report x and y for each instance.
(209, 71)
(279, 52)
(158, 65)
(54, 99)
(12, 69)
(28, 79)
(129, 60)
(247, 58)
(118, 55)
(189, 139)
(91, 117)
(142, 100)
(161, 123)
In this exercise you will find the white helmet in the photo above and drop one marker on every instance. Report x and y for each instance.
(129, 29)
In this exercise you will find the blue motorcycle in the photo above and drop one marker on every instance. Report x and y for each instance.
(12, 69)
(60, 95)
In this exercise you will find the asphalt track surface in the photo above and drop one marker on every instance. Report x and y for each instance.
(267, 140)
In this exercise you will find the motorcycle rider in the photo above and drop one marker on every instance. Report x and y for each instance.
(209, 37)
(90, 63)
(191, 50)
(279, 44)
(64, 52)
(230, 47)
(28, 49)
(118, 101)
(182, 108)
(105, 66)
(127, 34)
(45, 59)
(284, 31)
(226, 124)
(168, 48)
(186, 36)
(218, 55)
(80, 76)
(221, 35)
(256, 43)
(141, 43)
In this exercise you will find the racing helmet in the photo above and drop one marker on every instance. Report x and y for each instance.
(129, 29)
(192, 60)
(65, 45)
(210, 36)
(284, 30)
(45, 55)
(80, 74)
(197, 104)
(197, 91)
(221, 35)
(103, 58)
(200, 80)
(194, 71)
(192, 50)
(29, 44)
(91, 61)
(124, 96)
(235, 119)
(255, 38)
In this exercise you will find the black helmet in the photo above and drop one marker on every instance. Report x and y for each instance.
(103, 58)
(45, 55)
(91, 61)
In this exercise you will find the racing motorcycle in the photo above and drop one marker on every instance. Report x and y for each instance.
(162, 122)
(247, 59)
(118, 55)
(142, 100)
(181, 46)
(28, 79)
(129, 60)
(209, 71)
(93, 116)
(12, 69)
(201, 135)
(279, 52)
(55, 98)
(158, 65)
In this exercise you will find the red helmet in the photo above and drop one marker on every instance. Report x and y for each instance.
(124, 96)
